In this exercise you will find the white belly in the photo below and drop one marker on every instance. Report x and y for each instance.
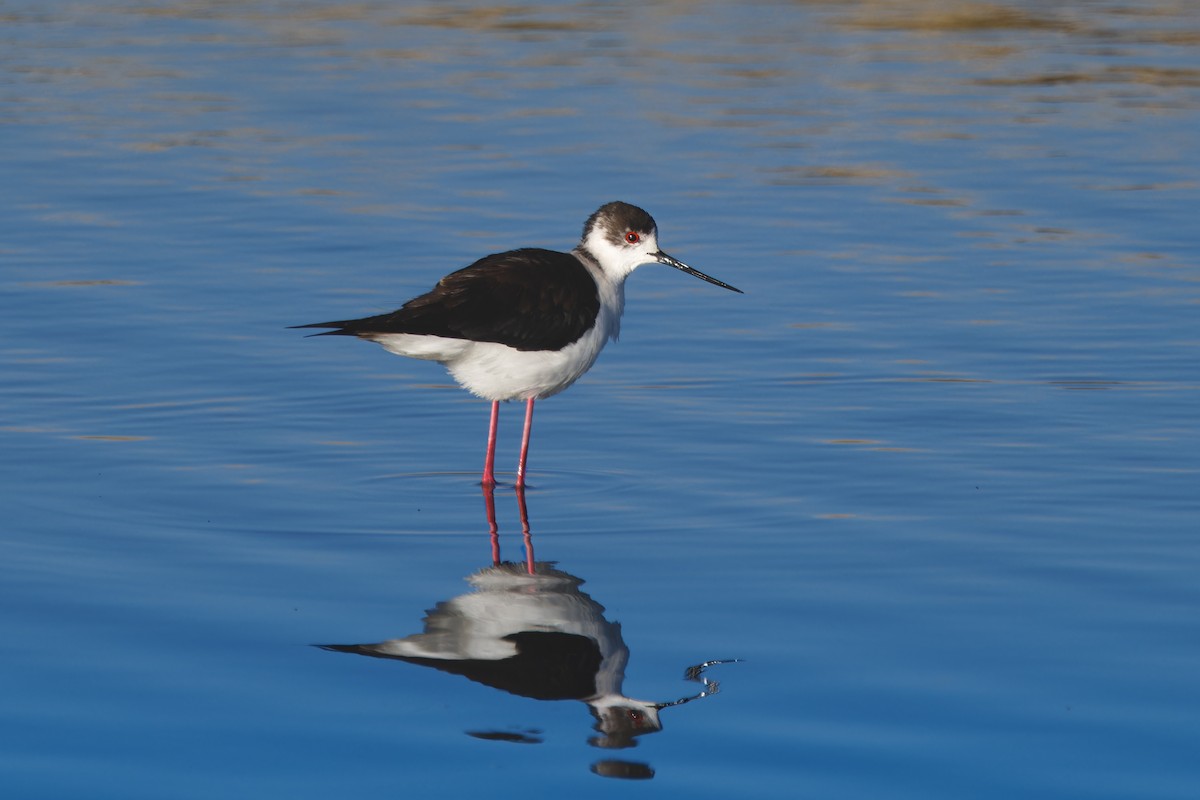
(499, 372)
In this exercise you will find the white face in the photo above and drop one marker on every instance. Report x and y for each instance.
(620, 252)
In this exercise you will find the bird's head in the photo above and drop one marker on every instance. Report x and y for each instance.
(621, 237)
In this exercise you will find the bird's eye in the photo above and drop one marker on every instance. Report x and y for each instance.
(633, 237)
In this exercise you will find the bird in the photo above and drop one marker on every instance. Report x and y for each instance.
(524, 324)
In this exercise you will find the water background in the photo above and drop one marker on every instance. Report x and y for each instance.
(935, 477)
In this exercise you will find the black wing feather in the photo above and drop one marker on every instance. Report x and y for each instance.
(529, 299)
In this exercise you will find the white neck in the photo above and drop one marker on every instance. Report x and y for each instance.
(610, 285)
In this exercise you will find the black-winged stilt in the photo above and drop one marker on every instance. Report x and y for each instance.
(524, 324)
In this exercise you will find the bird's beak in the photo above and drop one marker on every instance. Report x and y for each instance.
(663, 258)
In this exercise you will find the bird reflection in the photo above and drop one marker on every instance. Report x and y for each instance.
(526, 628)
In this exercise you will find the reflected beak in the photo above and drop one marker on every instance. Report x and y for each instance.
(663, 258)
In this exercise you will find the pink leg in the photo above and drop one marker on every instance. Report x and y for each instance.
(525, 443)
(489, 461)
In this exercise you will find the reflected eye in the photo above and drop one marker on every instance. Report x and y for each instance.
(633, 237)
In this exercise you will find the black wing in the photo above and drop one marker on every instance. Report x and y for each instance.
(529, 299)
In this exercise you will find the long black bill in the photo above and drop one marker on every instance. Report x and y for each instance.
(663, 258)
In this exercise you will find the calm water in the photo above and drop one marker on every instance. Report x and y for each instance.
(934, 479)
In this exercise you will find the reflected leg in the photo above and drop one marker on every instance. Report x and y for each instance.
(529, 562)
(489, 504)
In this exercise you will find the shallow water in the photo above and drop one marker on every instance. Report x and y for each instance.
(933, 479)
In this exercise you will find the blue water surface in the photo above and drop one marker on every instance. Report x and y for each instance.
(933, 480)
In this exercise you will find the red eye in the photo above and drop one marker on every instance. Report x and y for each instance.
(633, 237)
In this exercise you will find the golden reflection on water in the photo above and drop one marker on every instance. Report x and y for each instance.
(949, 30)
(792, 81)
(734, 79)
